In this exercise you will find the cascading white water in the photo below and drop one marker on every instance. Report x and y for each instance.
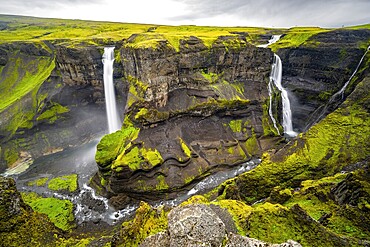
(114, 123)
(276, 76)
(341, 91)
(274, 39)
(275, 79)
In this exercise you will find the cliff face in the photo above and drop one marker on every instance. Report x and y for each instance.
(317, 69)
(198, 110)
(58, 102)
(189, 114)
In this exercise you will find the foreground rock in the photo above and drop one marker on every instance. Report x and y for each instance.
(19, 224)
(198, 225)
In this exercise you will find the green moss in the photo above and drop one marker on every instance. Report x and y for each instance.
(74, 242)
(103, 182)
(146, 40)
(21, 76)
(161, 185)
(275, 223)
(185, 148)
(142, 112)
(339, 139)
(137, 90)
(152, 156)
(38, 182)
(20, 81)
(188, 180)
(296, 37)
(67, 182)
(349, 221)
(196, 199)
(252, 144)
(151, 115)
(132, 159)
(239, 211)
(10, 156)
(234, 43)
(138, 158)
(53, 113)
(60, 212)
(268, 127)
(228, 91)
(210, 77)
(236, 125)
(110, 146)
(147, 222)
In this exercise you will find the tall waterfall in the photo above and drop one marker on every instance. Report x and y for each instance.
(110, 98)
(275, 78)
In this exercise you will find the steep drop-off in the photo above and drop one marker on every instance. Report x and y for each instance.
(198, 110)
(189, 114)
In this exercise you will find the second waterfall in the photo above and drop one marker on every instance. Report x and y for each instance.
(275, 79)
(114, 123)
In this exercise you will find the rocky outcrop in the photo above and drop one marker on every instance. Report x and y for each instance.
(19, 224)
(189, 114)
(317, 69)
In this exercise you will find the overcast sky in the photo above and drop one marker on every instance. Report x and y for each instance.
(268, 13)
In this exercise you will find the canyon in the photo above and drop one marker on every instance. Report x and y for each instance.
(194, 110)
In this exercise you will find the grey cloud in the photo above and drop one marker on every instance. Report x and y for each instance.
(283, 12)
(19, 6)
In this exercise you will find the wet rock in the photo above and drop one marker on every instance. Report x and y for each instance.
(91, 203)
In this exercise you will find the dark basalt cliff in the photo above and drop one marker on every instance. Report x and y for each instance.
(316, 70)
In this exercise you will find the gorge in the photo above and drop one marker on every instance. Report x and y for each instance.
(205, 121)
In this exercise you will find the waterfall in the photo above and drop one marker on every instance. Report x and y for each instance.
(274, 38)
(110, 98)
(334, 100)
(275, 78)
